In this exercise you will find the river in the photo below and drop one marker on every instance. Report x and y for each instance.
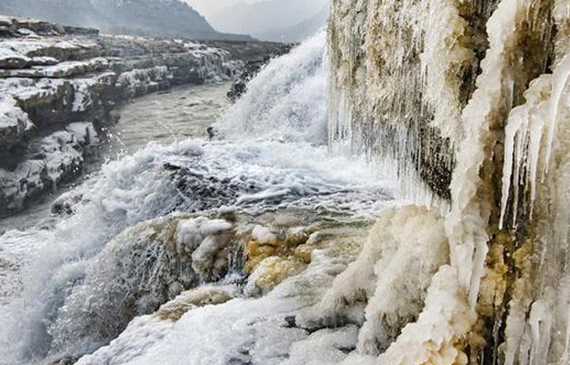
(163, 118)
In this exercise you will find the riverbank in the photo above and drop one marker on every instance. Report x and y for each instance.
(60, 87)
(162, 118)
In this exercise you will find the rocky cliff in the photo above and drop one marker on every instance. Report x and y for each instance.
(59, 86)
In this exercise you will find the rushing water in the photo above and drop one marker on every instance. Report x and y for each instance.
(271, 154)
(165, 118)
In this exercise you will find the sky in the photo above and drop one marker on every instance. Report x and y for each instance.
(211, 7)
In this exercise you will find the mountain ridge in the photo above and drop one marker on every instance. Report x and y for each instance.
(301, 30)
(161, 18)
(261, 18)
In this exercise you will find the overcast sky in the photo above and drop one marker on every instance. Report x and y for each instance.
(211, 7)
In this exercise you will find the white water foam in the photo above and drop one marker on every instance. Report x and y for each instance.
(275, 155)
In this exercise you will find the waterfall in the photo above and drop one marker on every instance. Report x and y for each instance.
(467, 100)
(139, 232)
(287, 100)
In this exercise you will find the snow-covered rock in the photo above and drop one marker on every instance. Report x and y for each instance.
(14, 122)
(10, 59)
(50, 161)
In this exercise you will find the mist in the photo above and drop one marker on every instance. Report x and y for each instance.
(272, 20)
(209, 8)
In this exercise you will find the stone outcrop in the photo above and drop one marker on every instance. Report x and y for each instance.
(51, 76)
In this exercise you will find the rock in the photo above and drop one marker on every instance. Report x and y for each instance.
(283, 242)
(39, 27)
(17, 27)
(271, 272)
(239, 87)
(50, 161)
(138, 267)
(72, 68)
(44, 61)
(69, 30)
(141, 268)
(64, 361)
(66, 203)
(206, 295)
(303, 253)
(14, 123)
(10, 59)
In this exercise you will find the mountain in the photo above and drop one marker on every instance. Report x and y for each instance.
(162, 18)
(300, 31)
(259, 19)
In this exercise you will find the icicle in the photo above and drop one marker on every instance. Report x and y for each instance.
(560, 79)
(523, 136)
(467, 222)
(517, 125)
(541, 324)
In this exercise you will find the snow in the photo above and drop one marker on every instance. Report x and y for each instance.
(56, 156)
(26, 89)
(205, 239)
(263, 235)
(71, 68)
(26, 47)
(27, 32)
(60, 154)
(12, 116)
(84, 132)
(82, 98)
(10, 57)
(44, 61)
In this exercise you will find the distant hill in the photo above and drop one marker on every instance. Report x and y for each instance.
(300, 31)
(162, 18)
(264, 19)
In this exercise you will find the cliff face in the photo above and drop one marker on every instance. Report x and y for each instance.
(471, 98)
(52, 77)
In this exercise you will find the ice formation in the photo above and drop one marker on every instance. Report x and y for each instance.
(384, 288)
(471, 98)
(504, 128)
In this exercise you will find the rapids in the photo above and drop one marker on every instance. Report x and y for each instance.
(162, 118)
(271, 156)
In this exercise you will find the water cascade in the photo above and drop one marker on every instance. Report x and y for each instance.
(279, 247)
(140, 235)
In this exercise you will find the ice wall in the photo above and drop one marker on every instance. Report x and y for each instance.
(471, 97)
